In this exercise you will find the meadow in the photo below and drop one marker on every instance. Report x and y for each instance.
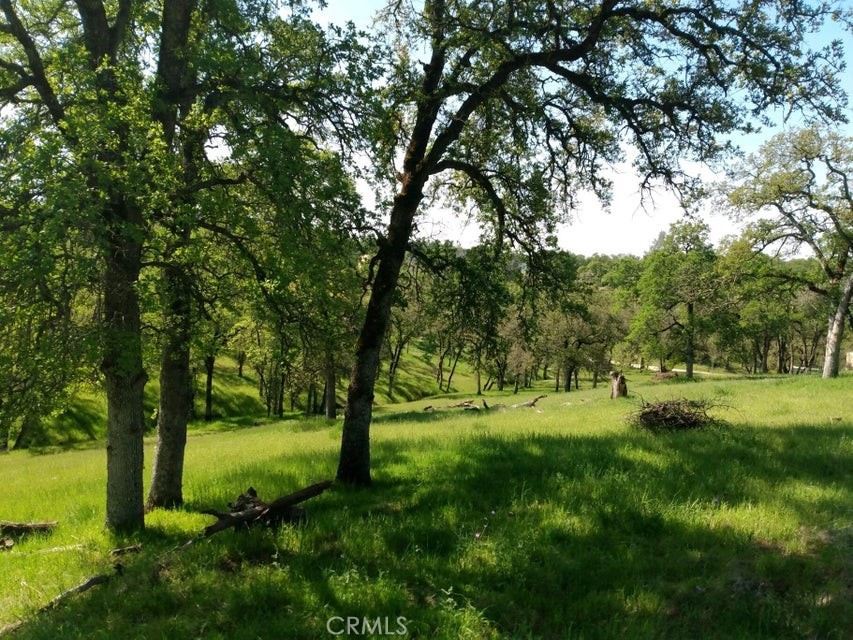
(562, 521)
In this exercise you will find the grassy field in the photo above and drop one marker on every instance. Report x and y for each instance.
(559, 523)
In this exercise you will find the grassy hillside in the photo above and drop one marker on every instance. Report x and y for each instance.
(235, 400)
(563, 523)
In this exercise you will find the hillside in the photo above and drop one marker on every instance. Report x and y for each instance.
(557, 522)
(236, 401)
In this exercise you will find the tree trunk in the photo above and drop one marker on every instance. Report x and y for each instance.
(690, 338)
(331, 398)
(209, 361)
(241, 360)
(30, 424)
(354, 463)
(618, 385)
(765, 353)
(835, 332)
(175, 396)
(124, 377)
(396, 354)
(781, 355)
(281, 383)
(453, 368)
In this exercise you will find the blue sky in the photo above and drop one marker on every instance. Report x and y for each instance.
(628, 226)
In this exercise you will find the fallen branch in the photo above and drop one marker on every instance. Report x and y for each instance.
(80, 588)
(529, 403)
(18, 529)
(122, 551)
(249, 510)
(67, 547)
(87, 584)
(674, 415)
(461, 405)
(22, 528)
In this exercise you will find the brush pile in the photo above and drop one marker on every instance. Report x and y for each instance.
(674, 415)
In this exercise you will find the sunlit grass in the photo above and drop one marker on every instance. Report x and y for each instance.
(558, 523)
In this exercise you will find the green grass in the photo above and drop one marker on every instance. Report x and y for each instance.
(236, 402)
(564, 523)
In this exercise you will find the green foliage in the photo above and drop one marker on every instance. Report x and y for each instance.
(677, 290)
(797, 190)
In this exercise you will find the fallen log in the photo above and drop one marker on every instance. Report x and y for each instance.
(22, 528)
(461, 405)
(529, 403)
(248, 510)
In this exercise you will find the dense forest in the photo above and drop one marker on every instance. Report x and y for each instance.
(184, 180)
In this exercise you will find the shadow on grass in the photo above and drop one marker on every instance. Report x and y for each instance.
(628, 535)
(411, 416)
(78, 426)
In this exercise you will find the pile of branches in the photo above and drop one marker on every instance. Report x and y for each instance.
(674, 415)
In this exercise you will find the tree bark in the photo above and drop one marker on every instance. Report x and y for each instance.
(29, 426)
(171, 106)
(456, 358)
(618, 385)
(835, 332)
(567, 382)
(209, 361)
(354, 463)
(124, 375)
(392, 368)
(331, 397)
(689, 350)
(175, 396)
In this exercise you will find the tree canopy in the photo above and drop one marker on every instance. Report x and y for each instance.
(800, 185)
(514, 107)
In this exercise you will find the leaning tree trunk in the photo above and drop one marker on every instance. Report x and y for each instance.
(835, 332)
(175, 396)
(354, 464)
(124, 378)
(331, 398)
(30, 424)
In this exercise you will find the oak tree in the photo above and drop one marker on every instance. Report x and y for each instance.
(800, 185)
(515, 106)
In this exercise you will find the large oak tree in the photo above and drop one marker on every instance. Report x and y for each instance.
(108, 110)
(516, 105)
(801, 185)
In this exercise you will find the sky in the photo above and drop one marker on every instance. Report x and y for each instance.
(629, 225)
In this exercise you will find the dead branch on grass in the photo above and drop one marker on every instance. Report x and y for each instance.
(674, 415)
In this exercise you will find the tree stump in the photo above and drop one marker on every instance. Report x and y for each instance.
(618, 385)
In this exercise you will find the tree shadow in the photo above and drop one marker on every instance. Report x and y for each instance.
(625, 535)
